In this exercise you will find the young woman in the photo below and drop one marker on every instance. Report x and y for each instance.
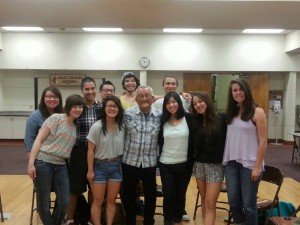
(105, 147)
(176, 157)
(130, 83)
(245, 148)
(47, 162)
(209, 141)
(50, 103)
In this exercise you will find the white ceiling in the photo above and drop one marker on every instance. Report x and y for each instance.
(148, 16)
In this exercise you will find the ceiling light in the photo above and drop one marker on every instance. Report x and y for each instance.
(23, 28)
(95, 29)
(263, 31)
(182, 30)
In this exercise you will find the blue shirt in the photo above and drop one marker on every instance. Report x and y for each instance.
(141, 148)
(33, 125)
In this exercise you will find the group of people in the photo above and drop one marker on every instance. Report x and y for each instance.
(123, 140)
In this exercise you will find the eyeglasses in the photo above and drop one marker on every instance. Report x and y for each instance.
(108, 90)
(49, 97)
(144, 96)
(111, 107)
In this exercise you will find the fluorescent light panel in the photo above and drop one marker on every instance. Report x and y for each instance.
(23, 28)
(263, 31)
(182, 30)
(95, 29)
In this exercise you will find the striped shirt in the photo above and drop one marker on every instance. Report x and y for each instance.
(59, 143)
(141, 149)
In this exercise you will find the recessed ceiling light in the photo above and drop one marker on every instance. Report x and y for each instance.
(263, 31)
(182, 30)
(95, 29)
(23, 28)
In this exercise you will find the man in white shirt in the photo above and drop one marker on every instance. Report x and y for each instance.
(170, 83)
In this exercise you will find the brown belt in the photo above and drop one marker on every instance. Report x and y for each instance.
(117, 159)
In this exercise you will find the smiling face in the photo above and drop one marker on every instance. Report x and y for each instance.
(75, 111)
(130, 84)
(144, 99)
(51, 101)
(238, 93)
(170, 84)
(172, 106)
(89, 92)
(111, 109)
(107, 90)
(199, 105)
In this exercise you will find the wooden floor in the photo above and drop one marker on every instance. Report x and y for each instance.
(16, 193)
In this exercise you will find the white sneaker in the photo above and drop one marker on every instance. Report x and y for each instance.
(69, 222)
(185, 217)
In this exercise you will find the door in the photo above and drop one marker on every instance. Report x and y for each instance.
(195, 82)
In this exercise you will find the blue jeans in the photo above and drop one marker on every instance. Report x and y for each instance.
(242, 193)
(56, 176)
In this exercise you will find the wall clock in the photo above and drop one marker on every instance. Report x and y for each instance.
(144, 62)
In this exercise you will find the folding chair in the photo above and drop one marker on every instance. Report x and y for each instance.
(280, 220)
(1, 210)
(35, 208)
(274, 176)
(296, 153)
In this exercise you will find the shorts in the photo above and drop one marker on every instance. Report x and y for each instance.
(209, 172)
(78, 170)
(107, 171)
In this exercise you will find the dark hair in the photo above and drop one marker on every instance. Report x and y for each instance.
(119, 117)
(169, 77)
(130, 75)
(71, 101)
(107, 82)
(86, 80)
(210, 119)
(166, 115)
(42, 106)
(248, 104)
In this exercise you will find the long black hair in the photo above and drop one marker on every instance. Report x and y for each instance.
(119, 117)
(166, 115)
(42, 105)
(248, 104)
(209, 121)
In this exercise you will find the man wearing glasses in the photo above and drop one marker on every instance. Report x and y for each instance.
(106, 89)
(140, 155)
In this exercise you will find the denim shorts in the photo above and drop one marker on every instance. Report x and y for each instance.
(107, 171)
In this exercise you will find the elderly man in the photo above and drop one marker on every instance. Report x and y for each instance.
(140, 154)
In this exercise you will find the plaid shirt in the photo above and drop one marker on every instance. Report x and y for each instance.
(141, 147)
(85, 121)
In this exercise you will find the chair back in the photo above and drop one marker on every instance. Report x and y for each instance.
(273, 175)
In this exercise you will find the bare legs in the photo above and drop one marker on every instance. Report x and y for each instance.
(99, 190)
(209, 193)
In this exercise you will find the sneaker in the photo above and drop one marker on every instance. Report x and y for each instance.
(69, 222)
(90, 222)
(185, 217)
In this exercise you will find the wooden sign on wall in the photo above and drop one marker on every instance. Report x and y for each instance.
(66, 80)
